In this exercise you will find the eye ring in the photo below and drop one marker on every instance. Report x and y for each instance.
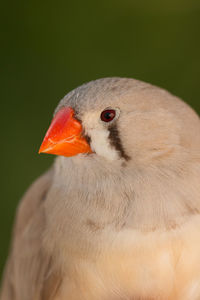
(108, 115)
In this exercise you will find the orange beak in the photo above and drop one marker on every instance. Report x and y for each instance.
(64, 136)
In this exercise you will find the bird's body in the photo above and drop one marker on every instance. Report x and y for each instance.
(121, 223)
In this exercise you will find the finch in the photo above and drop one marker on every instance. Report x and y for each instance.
(117, 216)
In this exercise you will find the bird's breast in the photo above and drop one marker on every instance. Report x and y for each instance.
(153, 265)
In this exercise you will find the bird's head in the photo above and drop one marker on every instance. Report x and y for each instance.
(120, 119)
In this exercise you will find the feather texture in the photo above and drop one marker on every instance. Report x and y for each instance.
(123, 222)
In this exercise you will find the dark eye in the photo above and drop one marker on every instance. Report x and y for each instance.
(108, 115)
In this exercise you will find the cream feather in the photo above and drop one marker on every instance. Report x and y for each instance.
(99, 226)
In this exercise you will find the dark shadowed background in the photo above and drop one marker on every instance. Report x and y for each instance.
(50, 47)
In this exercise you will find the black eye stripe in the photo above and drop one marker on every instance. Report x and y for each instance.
(114, 137)
(88, 138)
(116, 141)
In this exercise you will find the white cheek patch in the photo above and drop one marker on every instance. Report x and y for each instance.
(101, 145)
(99, 135)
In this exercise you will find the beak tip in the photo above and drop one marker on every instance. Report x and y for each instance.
(41, 149)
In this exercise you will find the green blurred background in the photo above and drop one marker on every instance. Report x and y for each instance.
(49, 47)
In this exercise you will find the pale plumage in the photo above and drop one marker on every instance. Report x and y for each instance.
(120, 223)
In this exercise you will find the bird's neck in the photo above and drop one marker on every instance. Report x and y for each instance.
(151, 197)
(90, 200)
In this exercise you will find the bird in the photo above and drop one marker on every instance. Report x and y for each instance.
(117, 216)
